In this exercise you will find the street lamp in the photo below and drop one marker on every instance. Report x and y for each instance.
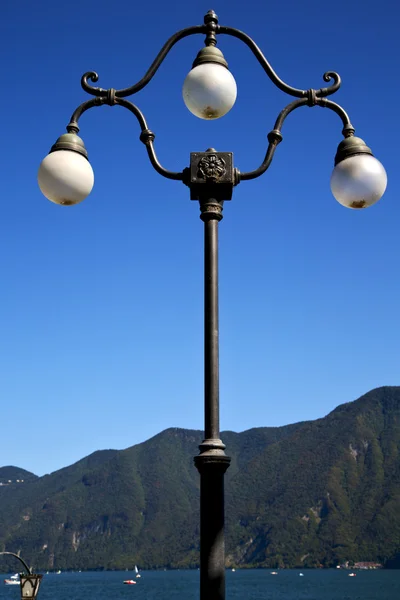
(29, 582)
(209, 91)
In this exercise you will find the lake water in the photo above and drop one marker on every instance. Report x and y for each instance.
(243, 584)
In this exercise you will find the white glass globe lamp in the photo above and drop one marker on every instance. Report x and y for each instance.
(65, 175)
(209, 90)
(358, 180)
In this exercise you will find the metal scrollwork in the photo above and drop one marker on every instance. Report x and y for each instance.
(212, 167)
(90, 89)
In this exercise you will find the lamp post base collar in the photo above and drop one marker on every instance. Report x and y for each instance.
(220, 461)
(212, 451)
(211, 209)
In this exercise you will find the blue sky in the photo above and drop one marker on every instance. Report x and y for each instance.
(101, 319)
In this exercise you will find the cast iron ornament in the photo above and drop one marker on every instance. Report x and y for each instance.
(212, 167)
(211, 170)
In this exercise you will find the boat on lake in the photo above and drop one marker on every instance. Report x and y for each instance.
(14, 580)
(137, 572)
(129, 581)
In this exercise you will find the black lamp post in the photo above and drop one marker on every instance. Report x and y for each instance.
(66, 178)
(29, 582)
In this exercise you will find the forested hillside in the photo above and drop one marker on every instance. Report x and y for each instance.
(314, 493)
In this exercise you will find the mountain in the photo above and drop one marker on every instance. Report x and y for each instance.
(313, 493)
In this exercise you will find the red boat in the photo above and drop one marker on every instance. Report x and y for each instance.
(129, 581)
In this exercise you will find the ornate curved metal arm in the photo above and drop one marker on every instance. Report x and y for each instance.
(275, 136)
(348, 128)
(328, 76)
(133, 89)
(210, 27)
(76, 115)
(28, 569)
(146, 135)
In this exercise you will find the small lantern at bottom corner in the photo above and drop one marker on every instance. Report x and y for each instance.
(29, 586)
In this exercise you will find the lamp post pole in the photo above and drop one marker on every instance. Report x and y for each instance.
(209, 91)
(212, 461)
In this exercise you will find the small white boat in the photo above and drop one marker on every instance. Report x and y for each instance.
(301, 575)
(137, 572)
(14, 580)
(352, 574)
(274, 573)
(233, 570)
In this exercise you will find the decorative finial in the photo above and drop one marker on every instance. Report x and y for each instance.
(211, 22)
